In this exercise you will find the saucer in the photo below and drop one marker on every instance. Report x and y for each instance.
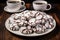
(12, 11)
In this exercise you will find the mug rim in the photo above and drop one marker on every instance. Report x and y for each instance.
(39, 2)
(8, 2)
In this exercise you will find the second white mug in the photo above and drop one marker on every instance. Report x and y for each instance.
(41, 5)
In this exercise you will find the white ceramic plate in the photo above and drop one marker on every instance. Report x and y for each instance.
(11, 11)
(19, 32)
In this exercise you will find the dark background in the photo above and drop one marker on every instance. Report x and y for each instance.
(30, 1)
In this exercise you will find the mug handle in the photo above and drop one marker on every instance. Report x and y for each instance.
(23, 3)
(49, 6)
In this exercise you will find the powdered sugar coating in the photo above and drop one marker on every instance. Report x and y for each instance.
(31, 22)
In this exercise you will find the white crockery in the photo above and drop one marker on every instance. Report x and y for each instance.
(42, 6)
(13, 11)
(15, 6)
(10, 21)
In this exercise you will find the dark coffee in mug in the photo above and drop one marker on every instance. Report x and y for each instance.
(13, 1)
(39, 3)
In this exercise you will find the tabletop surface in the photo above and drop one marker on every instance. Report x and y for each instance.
(6, 35)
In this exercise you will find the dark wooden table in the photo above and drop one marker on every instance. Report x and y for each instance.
(6, 35)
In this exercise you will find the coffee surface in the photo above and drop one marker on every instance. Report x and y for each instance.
(39, 3)
(13, 1)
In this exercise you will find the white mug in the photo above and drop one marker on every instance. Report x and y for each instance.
(41, 5)
(15, 5)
